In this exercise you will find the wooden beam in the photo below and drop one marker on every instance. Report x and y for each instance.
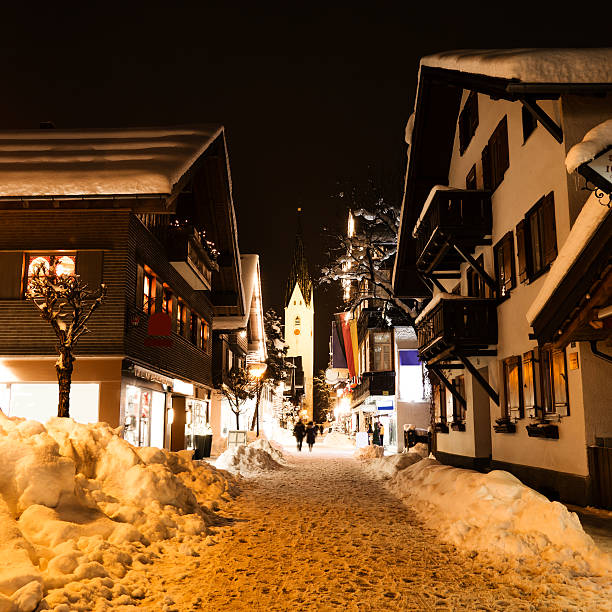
(478, 376)
(481, 271)
(452, 389)
(551, 127)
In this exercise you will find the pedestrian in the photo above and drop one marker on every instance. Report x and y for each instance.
(376, 434)
(321, 428)
(382, 434)
(299, 431)
(370, 433)
(311, 434)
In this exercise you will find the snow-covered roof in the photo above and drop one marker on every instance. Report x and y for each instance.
(432, 194)
(529, 65)
(437, 299)
(593, 143)
(133, 161)
(590, 218)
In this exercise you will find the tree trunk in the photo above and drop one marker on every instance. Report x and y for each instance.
(237, 420)
(64, 367)
(255, 421)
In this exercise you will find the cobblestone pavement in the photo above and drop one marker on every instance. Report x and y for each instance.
(323, 535)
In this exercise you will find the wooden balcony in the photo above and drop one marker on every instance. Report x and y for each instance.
(453, 218)
(374, 383)
(466, 324)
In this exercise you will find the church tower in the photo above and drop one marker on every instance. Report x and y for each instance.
(299, 317)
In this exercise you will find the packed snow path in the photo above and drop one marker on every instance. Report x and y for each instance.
(323, 535)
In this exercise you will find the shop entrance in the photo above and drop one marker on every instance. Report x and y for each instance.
(144, 417)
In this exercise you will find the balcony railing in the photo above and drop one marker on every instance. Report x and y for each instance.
(453, 217)
(374, 383)
(466, 324)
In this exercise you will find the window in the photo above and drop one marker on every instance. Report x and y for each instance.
(181, 318)
(529, 123)
(470, 179)
(504, 265)
(495, 157)
(204, 336)
(459, 409)
(476, 287)
(536, 238)
(554, 382)
(468, 121)
(513, 396)
(166, 304)
(529, 390)
(440, 400)
(43, 264)
(380, 352)
(194, 328)
(297, 321)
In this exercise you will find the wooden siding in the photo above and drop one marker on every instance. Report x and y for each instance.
(22, 331)
(182, 358)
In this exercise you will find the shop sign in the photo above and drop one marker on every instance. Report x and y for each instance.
(182, 387)
(159, 330)
(151, 376)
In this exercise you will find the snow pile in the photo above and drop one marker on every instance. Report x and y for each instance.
(530, 65)
(594, 142)
(250, 460)
(338, 439)
(495, 513)
(372, 451)
(272, 448)
(80, 507)
(591, 216)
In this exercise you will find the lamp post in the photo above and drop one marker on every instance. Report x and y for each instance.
(256, 371)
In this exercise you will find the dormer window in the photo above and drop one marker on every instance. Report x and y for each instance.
(297, 321)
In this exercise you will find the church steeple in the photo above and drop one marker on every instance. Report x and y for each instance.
(299, 274)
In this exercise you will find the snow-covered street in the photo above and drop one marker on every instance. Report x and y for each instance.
(324, 534)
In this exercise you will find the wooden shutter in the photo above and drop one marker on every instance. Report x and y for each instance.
(513, 387)
(503, 155)
(559, 380)
(470, 179)
(549, 231)
(89, 268)
(521, 250)
(139, 286)
(11, 275)
(486, 168)
(529, 383)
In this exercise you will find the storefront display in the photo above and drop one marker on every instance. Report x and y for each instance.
(198, 433)
(144, 417)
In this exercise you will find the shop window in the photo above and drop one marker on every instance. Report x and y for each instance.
(513, 388)
(459, 409)
(381, 358)
(529, 123)
(504, 265)
(495, 157)
(536, 238)
(148, 293)
(45, 264)
(554, 382)
(440, 401)
(529, 390)
(468, 121)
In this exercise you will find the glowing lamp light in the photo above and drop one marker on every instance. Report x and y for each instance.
(170, 416)
(257, 370)
(243, 333)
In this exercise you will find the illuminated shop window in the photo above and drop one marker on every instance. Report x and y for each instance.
(166, 304)
(204, 335)
(181, 318)
(148, 293)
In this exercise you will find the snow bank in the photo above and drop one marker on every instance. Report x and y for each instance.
(373, 451)
(79, 503)
(252, 459)
(337, 439)
(594, 142)
(530, 65)
(496, 513)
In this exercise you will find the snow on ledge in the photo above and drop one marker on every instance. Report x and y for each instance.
(529, 65)
(590, 218)
(593, 143)
(428, 201)
(437, 299)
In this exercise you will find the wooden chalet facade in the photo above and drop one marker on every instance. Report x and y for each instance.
(488, 204)
(149, 213)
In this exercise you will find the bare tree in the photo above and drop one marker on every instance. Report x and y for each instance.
(362, 257)
(237, 389)
(67, 304)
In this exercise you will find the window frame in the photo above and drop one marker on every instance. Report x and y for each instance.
(148, 300)
(459, 410)
(541, 244)
(513, 410)
(505, 242)
(550, 360)
(496, 156)
(30, 256)
(181, 318)
(468, 121)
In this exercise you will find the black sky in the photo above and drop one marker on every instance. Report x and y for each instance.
(313, 99)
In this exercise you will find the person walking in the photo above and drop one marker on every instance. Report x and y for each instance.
(382, 434)
(376, 434)
(311, 434)
(299, 431)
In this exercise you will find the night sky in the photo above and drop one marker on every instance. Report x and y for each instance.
(314, 100)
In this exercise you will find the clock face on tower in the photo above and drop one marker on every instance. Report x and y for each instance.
(296, 332)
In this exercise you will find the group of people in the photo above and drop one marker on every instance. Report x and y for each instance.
(377, 434)
(301, 431)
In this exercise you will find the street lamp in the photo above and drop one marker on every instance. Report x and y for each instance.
(256, 371)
